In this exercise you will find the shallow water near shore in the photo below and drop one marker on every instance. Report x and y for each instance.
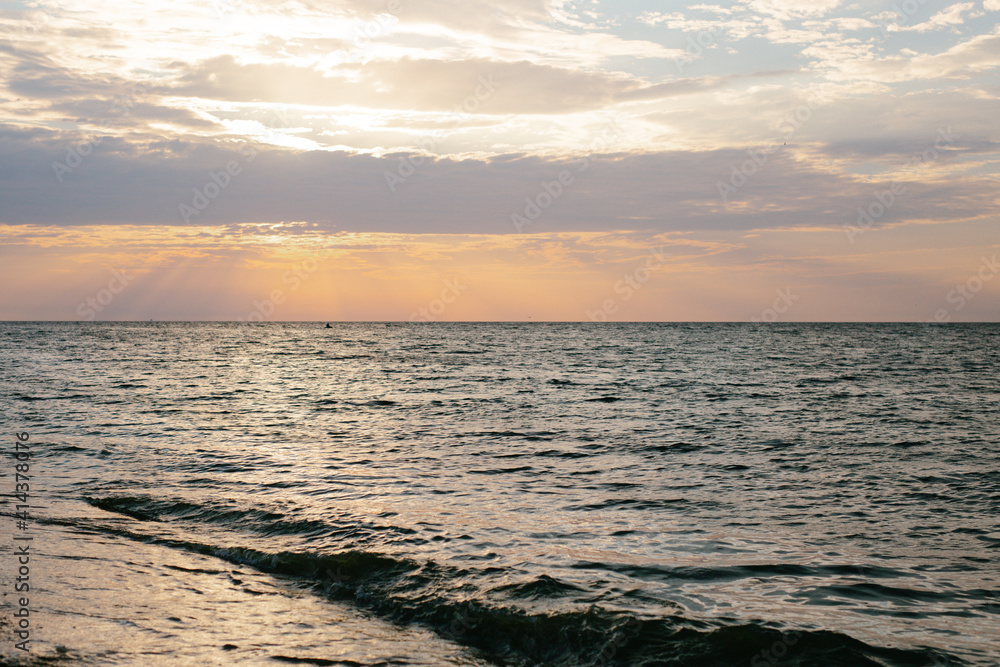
(565, 494)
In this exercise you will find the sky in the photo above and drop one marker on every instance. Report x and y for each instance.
(436, 160)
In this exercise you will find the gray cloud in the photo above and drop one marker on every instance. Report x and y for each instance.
(145, 181)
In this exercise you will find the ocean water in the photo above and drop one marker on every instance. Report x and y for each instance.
(514, 494)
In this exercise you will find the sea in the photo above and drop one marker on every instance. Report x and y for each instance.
(500, 494)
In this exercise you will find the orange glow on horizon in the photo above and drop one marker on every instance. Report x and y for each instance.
(295, 272)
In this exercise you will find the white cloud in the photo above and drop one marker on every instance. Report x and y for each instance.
(788, 9)
(732, 28)
(468, 86)
(962, 61)
(952, 16)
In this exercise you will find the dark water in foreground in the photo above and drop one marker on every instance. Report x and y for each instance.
(557, 494)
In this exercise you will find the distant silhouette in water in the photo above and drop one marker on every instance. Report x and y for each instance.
(328, 326)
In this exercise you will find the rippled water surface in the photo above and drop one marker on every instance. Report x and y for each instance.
(656, 494)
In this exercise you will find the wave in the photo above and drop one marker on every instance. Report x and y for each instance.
(406, 591)
(258, 521)
(374, 403)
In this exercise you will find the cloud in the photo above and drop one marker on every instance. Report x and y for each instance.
(105, 102)
(466, 86)
(788, 9)
(978, 54)
(949, 17)
(130, 113)
(483, 16)
(155, 182)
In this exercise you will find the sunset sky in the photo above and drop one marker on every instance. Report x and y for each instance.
(789, 160)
